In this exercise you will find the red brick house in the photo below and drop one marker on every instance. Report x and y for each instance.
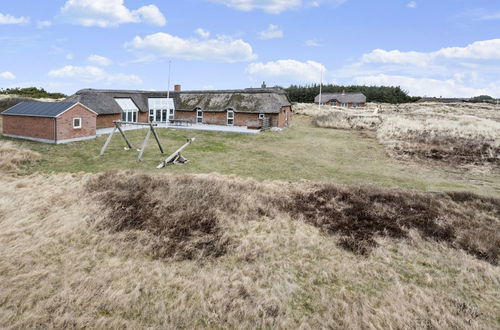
(50, 122)
(344, 100)
(251, 107)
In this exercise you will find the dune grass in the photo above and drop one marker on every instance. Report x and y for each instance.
(449, 134)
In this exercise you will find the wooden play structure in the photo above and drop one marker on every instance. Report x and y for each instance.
(119, 123)
(176, 157)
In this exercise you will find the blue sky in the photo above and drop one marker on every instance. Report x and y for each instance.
(428, 47)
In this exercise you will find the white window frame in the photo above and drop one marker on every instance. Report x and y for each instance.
(230, 117)
(163, 108)
(129, 114)
(199, 116)
(262, 116)
(80, 121)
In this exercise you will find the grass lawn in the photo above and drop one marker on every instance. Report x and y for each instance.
(300, 152)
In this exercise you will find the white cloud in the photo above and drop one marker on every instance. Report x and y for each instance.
(483, 50)
(99, 60)
(202, 33)
(151, 15)
(43, 24)
(208, 87)
(274, 6)
(312, 43)
(7, 75)
(397, 57)
(70, 56)
(412, 5)
(92, 74)
(287, 71)
(109, 13)
(9, 19)
(479, 50)
(272, 32)
(221, 49)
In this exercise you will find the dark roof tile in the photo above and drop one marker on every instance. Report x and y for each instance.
(39, 109)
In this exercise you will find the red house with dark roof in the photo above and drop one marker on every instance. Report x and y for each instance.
(50, 122)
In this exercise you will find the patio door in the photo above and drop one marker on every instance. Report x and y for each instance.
(162, 116)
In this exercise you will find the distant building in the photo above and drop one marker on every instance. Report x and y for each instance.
(345, 100)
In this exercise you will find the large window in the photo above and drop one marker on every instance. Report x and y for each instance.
(199, 116)
(230, 117)
(161, 109)
(129, 109)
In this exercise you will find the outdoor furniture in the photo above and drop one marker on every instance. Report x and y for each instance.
(181, 122)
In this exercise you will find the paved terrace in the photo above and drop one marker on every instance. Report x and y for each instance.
(193, 127)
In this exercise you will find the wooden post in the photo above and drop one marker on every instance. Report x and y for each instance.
(124, 136)
(157, 139)
(107, 141)
(144, 144)
(176, 155)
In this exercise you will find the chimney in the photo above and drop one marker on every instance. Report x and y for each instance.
(177, 88)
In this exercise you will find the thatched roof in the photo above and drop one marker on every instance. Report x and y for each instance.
(341, 98)
(251, 100)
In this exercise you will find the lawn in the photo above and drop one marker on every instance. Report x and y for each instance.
(300, 152)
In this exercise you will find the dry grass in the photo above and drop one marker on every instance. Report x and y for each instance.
(455, 139)
(348, 120)
(12, 157)
(455, 134)
(68, 260)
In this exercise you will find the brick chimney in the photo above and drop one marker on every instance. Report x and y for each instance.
(177, 88)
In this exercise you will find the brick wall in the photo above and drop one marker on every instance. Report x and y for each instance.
(143, 117)
(106, 121)
(251, 120)
(215, 118)
(186, 115)
(247, 119)
(35, 127)
(65, 128)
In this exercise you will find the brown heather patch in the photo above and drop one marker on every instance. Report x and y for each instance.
(177, 224)
(187, 217)
(361, 213)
